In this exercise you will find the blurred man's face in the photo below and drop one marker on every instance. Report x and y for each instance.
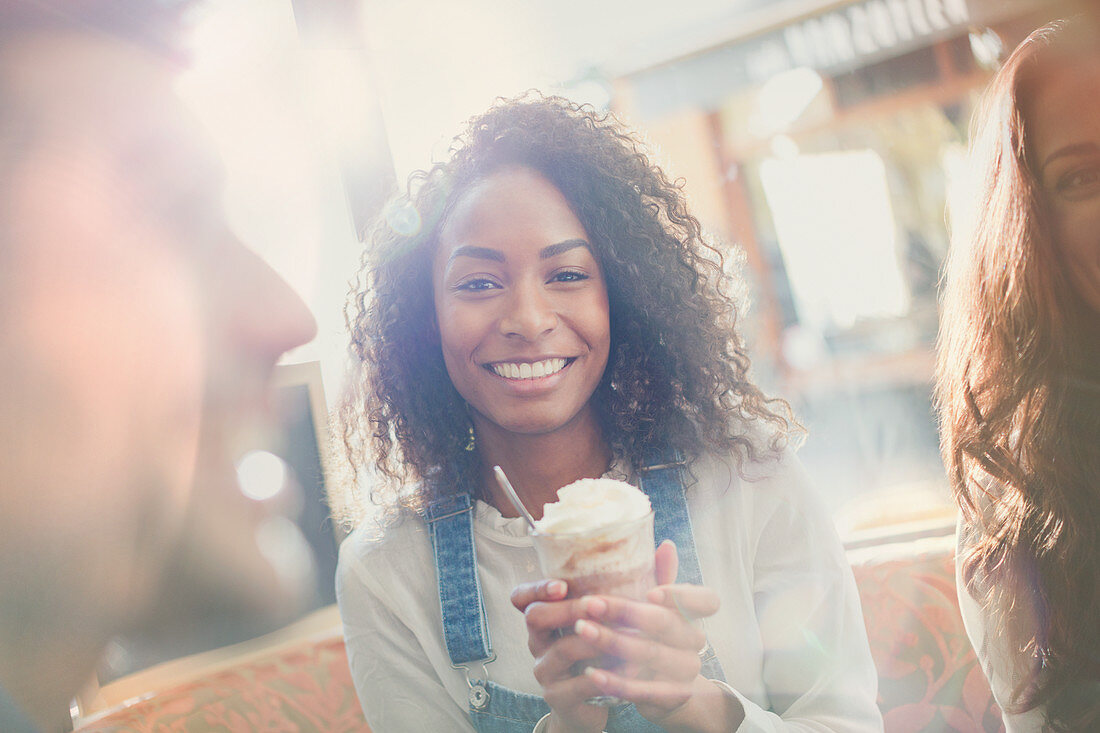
(136, 337)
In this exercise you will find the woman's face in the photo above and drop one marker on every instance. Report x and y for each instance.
(1063, 116)
(521, 304)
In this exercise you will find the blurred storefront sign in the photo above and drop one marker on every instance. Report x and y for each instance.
(818, 139)
(862, 32)
(831, 40)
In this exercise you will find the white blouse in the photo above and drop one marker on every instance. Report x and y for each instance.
(1003, 668)
(789, 633)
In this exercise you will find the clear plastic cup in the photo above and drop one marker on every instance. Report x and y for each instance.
(614, 560)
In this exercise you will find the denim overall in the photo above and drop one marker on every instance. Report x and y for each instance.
(496, 709)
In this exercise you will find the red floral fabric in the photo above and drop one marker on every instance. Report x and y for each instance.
(929, 676)
(306, 687)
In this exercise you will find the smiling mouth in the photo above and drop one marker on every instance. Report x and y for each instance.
(529, 370)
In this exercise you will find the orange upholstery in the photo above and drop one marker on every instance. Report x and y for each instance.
(929, 677)
(302, 687)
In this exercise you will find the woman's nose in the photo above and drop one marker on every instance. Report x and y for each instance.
(528, 314)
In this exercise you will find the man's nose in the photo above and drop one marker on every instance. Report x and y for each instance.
(529, 313)
(266, 316)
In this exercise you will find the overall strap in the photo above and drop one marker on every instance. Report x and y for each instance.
(662, 480)
(451, 524)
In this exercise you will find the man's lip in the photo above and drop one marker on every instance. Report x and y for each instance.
(244, 422)
(256, 407)
(244, 390)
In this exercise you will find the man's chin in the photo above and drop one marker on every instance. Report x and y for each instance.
(208, 600)
(234, 567)
(237, 570)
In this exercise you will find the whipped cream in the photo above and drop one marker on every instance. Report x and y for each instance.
(591, 504)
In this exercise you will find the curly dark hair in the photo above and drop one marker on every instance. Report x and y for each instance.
(677, 370)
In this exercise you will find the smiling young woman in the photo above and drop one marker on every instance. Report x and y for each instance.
(557, 312)
(1019, 384)
(523, 313)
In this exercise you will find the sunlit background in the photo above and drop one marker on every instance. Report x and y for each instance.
(822, 138)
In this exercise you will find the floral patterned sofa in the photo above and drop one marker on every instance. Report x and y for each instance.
(929, 679)
(305, 686)
(928, 675)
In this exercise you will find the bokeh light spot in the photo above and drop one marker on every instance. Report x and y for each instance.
(261, 474)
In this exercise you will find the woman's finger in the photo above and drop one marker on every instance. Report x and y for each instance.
(664, 695)
(692, 601)
(570, 692)
(560, 658)
(640, 652)
(545, 619)
(666, 563)
(547, 615)
(525, 594)
(667, 625)
(567, 700)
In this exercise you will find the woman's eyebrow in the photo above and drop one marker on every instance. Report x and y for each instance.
(1075, 149)
(481, 253)
(554, 250)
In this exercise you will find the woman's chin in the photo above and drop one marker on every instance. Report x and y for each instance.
(541, 423)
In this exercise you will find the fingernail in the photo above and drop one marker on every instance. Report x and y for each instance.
(585, 629)
(556, 587)
(594, 607)
(596, 675)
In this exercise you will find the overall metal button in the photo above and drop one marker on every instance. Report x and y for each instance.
(479, 697)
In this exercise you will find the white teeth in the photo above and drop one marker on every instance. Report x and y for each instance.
(528, 370)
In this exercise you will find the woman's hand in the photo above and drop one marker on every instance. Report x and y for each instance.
(660, 648)
(547, 612)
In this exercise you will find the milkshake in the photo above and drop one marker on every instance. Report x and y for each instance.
(598, 538)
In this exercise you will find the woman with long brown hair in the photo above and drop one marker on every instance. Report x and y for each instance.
(1019, 383)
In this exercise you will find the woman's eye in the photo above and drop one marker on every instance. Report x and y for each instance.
(1082, 178)
(476, 285)
(568, 276)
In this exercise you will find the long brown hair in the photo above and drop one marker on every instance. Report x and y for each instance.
(1019, 401)
(677, 375)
